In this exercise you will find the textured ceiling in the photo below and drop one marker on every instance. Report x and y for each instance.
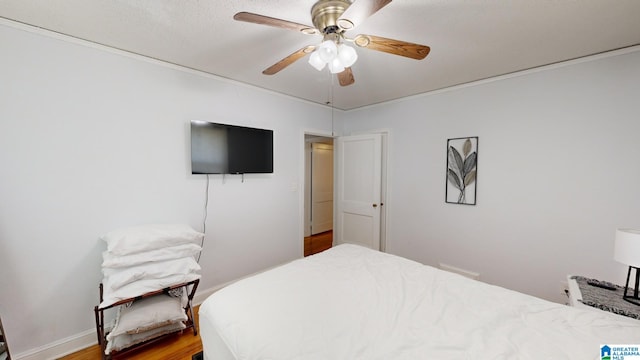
(469, 40)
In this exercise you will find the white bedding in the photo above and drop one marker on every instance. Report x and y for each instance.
(350, 302)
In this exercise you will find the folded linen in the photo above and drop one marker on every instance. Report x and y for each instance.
(119, 277)
(136, 239)
(140, 287)
(147, 314)
(168, 253)
(124, 341)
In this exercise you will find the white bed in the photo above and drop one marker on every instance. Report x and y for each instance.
(350, 302)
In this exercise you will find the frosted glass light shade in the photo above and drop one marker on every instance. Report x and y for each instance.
(316, 61)
(327, 50)
(627, 247)
(347, 55)
(336, 56)
(336, 66)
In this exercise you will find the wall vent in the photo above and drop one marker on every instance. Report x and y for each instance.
(466, 273)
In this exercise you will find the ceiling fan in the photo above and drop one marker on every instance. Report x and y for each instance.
(332, 19)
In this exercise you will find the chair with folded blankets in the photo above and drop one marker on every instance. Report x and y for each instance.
(150, 277)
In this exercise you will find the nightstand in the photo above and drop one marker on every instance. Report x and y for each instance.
(585, 296)
(575, 296)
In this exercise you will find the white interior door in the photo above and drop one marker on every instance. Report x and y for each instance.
(358, 190)
(321, 188)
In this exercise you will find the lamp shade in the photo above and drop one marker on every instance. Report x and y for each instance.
(335, 56)
(327, 50)
(627, 247)
(316, 61)
(335, 66)
(347, 55)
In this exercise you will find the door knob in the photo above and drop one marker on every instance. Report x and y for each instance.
(375, 205)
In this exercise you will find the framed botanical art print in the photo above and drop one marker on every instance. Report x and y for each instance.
(462, 170)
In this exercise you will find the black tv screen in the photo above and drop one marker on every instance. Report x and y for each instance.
(230, 149)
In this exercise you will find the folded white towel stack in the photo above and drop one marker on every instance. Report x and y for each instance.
(144, 259)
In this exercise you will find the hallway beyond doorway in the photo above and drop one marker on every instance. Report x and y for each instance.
(317, 243)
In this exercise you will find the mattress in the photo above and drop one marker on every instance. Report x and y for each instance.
(351, 302)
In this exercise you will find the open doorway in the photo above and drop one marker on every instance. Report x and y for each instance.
(318, 194)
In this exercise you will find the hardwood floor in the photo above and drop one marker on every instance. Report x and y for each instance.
(317, 243)
(176, 347)
(183, 346)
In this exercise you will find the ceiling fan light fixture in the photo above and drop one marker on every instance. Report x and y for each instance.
(332, 19)
(336, 66)
(316, 61)
(336, 56)
(327, 50)
(347, 55)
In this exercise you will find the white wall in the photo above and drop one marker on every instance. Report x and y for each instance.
(558, 172)
(92, 140)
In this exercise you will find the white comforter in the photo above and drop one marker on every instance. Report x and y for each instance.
(354, 303)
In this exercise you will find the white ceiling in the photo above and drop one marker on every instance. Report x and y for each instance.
(469, 39)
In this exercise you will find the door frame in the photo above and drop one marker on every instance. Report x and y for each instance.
(300, 184)
(311, 141)
(386, 180)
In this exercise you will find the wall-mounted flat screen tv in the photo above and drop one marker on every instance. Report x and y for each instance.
(230, 149)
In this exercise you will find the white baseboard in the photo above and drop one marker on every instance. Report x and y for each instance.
(88, 338)
(60, 348)
(470, 274)
(201, 296)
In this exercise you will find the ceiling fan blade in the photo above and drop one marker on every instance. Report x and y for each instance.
(391, 46)
(288, 60)
(345, 78)
(266, 20)
(357, 12)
